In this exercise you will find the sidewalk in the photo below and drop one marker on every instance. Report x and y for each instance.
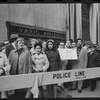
(86, 93)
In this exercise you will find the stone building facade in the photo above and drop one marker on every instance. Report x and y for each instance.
(58, 21)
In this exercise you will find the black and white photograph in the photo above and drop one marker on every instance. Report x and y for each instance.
(50, 50)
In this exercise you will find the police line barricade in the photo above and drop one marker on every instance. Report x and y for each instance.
(46, 78)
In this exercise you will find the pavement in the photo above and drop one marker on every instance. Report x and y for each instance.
(86, 93)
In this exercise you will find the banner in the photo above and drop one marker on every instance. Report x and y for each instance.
(27, 80)
(67, 54)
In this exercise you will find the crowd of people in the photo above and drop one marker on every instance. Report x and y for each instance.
(17, 58)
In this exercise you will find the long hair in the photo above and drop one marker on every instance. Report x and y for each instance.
(52, 41)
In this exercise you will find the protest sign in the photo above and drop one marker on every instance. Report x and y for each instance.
(68, 54)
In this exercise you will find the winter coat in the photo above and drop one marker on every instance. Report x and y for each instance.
(4, 63)
(24, 62)
(93, 60)
(54, 60)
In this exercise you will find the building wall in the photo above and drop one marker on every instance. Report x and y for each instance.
(50, 16)
(85, 21)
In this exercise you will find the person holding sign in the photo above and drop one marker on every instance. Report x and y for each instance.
(72, 64)
(63, 63)
(55, 65)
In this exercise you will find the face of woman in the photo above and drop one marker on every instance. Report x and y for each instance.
(50, 45)
(20, 45)
(33, 43)
(38, 49)
(44, 45)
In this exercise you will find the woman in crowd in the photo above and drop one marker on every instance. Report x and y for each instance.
(33, 42)
(44, 46)
(4, 68)
(20, 61)
(40, 64)
(55, 65)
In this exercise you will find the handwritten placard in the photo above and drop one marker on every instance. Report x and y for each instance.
(67, 54)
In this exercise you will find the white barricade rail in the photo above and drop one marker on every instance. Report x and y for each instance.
(27, 80)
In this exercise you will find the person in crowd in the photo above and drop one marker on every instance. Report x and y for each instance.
(71, 41)
(63, 66)
(33, 42)
(44, 46)
(2, 47)
(98, 48)
(4, 68)
(55, 65)
(12, 46)
(72, 65)
(40, 64)
(61, 45)
(93, 61)
(68, 45)
(87, 47)
(81, 61)
(68, 66)
(6, 42)
(73, 45)
(20, 60)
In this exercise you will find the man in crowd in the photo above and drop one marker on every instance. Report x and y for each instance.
(93, 61)
(81, 61)
(12, 46)
(63, 65)
(68, 45)
(98, 48)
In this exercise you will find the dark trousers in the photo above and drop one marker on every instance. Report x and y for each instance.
(52, 91)
(93, 83)
(20, 93)
(43, 93)
(85, 84)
